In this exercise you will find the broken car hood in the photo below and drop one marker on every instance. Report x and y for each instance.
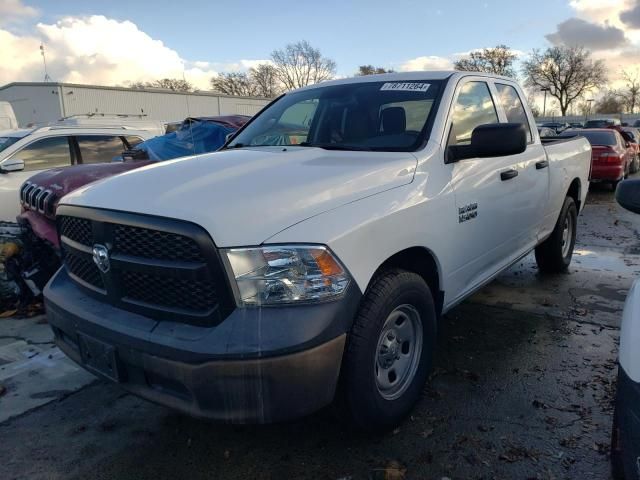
(66, 179)
(244, 196)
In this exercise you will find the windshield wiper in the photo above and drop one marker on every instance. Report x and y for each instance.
(334, 146)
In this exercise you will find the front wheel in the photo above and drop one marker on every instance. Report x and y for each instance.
(554, 254)
(389, 351)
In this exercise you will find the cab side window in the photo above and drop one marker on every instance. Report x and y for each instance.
(45, 153)
(473, 107)
(100, 148)
(513, 107)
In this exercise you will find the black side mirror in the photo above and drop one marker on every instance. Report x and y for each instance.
(628, 195)
(491, 140)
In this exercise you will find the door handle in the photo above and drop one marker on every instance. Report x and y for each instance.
(542, 164)
(508, 174)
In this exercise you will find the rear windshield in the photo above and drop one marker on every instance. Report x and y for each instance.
(596, 138)
(6, 142)
(379, 116)
(598, 123)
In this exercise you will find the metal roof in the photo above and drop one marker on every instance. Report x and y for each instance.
(206, 93)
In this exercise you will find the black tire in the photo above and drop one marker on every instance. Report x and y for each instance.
(617, 463)
(614, 185)
(364, 402)
(549, 254)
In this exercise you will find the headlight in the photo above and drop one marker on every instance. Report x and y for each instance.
(286, 274)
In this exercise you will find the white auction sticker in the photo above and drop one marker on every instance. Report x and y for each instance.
(405, 87)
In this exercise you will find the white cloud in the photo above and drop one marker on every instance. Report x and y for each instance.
(103, 51)
(14, 10)
(429, 62)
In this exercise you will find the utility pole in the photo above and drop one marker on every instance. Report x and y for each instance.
(544, 104)
(47, 78)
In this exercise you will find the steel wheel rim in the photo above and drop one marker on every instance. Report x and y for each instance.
(567, 234)
(398, 352)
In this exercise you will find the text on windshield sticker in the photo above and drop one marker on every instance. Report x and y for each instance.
(405, 87)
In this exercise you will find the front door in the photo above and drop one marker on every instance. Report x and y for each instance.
(485, 189)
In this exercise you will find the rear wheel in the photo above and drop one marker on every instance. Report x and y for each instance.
(389, 351)
(554, 254)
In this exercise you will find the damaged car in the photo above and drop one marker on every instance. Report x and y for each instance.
(35, 256)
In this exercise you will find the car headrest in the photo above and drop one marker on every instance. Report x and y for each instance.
(394, 120)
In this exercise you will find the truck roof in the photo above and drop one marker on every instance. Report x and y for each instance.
(406, 77)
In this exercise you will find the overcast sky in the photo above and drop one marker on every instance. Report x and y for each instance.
(117, 41)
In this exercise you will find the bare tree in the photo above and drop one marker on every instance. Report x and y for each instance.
(299, 64)
(371, 70)
(265, 80)
(498, 60)
(568, 73)
(630, 94)
(175, 84)
(609, 103)
(234, 83)
(535, 109)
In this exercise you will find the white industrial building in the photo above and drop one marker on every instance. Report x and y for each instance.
(47, 102)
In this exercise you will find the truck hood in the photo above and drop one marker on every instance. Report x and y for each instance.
(244, 196)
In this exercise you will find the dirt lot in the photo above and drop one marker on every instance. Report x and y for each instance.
(522, 388)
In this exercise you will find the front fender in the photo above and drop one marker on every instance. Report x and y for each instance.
(630, 334)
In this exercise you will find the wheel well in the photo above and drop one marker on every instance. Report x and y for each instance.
(574, 192)
(421, 261)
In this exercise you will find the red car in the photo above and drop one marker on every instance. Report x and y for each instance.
(611, 154)
(633, 136)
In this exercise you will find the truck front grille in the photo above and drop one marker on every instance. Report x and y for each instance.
(85, 270)
(76, 229)
(161, 268)
(169, 292)
(142, 242)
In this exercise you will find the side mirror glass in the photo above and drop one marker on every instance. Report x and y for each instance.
(628, 195)
(12, 165)
(491, 140)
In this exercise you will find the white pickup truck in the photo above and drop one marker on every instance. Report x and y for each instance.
(311, 258)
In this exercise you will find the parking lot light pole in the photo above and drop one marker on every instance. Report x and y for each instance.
(589, 102)
(544, 103)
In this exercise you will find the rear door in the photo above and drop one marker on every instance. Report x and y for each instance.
(532, 196)
(96, 148)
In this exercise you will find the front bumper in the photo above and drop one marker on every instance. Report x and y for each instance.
(257, 366)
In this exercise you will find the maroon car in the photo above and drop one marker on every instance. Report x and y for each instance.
(39, 196)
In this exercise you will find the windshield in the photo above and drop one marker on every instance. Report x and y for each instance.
(380, 116)
(6, 142)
